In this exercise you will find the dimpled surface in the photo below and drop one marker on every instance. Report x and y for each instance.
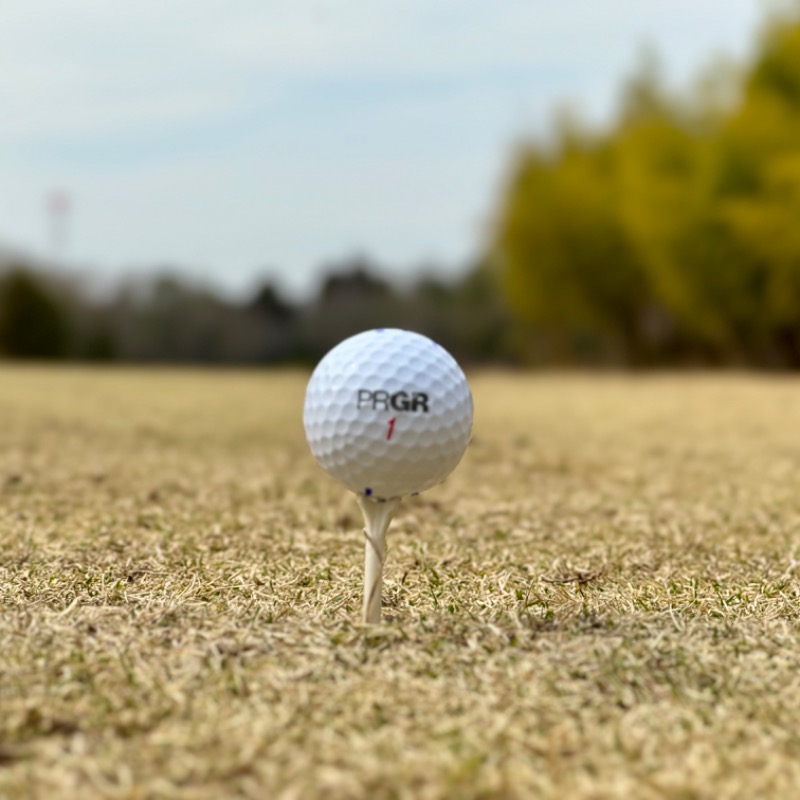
(356, 423)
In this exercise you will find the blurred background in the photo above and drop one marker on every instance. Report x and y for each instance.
(609, 183)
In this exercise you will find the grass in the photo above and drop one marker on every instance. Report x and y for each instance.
(602, 601)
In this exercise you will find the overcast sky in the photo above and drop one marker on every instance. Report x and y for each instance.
(238, 138)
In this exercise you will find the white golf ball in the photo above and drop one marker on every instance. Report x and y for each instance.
(388, 413)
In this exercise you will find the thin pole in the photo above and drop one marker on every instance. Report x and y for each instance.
(377, 517)
(59, 205)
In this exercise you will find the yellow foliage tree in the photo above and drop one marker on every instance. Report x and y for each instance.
(683, 212)
(565, 256)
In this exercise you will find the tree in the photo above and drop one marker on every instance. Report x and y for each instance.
(561, 247)
(32, 324)
(760, 186)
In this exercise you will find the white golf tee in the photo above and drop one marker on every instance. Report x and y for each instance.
(377, 516)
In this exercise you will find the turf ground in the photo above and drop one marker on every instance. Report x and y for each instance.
(601, 602)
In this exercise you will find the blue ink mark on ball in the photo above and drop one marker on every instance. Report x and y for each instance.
(367, 491)
(379, 330)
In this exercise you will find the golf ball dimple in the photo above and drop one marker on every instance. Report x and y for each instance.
(388, 413)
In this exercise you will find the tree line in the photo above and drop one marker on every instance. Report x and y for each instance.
(168, 319)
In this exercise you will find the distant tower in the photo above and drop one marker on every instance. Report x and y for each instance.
(59, 205)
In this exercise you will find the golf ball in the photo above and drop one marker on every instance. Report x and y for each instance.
(388, 413)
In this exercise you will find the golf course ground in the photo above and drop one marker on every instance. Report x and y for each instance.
(602, 601)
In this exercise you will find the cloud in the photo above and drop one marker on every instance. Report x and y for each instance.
(79, 66)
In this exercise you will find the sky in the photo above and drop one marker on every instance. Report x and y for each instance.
(242, 140)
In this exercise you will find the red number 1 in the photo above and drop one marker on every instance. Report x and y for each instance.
(391, 428)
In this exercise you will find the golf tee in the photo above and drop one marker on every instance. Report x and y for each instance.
(377, 516)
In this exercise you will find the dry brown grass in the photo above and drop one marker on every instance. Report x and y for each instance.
(602, 602)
